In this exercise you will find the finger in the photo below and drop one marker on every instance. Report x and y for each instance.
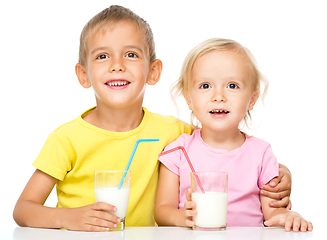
(189, 223)
(190, 213)
(96, 223)
(106, 216)
(310, 226)
(296, 224)
(274, 182)
(283, 185)
(189, 194)
(277, 196)
(281, 203)
(189, 205)
(103, 206)
(274, 221)
(304, 225)
(289, 206)
(93, 228)
(288, 224)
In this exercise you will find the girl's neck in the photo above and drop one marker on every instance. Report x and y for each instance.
(115, 120)
(228, 140)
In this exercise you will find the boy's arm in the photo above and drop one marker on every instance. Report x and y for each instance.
(283, 217)
(166, 207)
(279, 188)
(30, 212)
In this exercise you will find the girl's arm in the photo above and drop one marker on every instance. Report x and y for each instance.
(283, 217)
(279, 189)
(166, 207)
(30, 212)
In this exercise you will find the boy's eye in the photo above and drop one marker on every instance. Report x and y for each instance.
(232, 86)
(131, 55)
(205, 86)
(102, 56)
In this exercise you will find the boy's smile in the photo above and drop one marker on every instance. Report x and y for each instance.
(117, 83)
(118, 66)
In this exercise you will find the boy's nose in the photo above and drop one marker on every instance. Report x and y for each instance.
(117, 66)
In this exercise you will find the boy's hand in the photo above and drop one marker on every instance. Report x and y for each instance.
(279, 188)
(290, 220)
(189, 208)
(91, 218)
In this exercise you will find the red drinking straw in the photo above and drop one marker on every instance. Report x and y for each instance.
(189, 163)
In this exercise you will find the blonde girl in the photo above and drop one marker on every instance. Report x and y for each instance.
(221, 84)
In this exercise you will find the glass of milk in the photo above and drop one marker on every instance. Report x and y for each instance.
(106, 190)
(211, 206)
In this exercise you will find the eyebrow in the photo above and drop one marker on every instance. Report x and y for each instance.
(98, 49)
(128, 47)
(134, 47)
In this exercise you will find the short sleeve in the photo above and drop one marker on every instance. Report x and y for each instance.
(269, 167)
(54, 158)
(172, 160)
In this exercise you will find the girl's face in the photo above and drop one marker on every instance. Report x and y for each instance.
(222, 90)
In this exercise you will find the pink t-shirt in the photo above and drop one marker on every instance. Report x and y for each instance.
(249, 167)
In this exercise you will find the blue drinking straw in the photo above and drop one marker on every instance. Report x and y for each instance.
(131, 158)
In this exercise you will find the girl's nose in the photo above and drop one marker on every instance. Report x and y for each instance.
(219, 96)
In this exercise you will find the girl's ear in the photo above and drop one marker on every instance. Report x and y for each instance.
(254, 99)
(188, 101)
(155, 72)
(82, 75)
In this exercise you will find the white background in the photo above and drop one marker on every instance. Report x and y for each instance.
(39, 90)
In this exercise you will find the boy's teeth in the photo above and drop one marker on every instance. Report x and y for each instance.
(117, 83)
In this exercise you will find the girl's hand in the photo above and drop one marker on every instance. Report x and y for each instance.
(279, 188)
(92, 217)
(189, 206)
(290, 220)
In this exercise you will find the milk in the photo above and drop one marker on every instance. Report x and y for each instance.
(211, 209)
(116, 197)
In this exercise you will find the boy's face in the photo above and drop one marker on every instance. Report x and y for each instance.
(118, 66)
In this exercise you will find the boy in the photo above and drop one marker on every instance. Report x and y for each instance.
(117, 59)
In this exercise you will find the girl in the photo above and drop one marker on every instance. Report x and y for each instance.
(221, 84)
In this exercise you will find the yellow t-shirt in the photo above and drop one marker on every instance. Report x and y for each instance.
(76, 149)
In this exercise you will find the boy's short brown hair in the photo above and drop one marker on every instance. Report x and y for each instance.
(113, 15)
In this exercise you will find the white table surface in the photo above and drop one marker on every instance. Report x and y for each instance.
(158, 233)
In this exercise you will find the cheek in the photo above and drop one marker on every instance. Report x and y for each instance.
(243, 105)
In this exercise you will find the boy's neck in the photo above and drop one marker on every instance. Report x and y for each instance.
(115, 120)
(228, 140)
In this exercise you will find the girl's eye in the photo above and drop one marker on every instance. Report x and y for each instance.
(232, 86)
(205, 86)
(131, 55)
(102, 56)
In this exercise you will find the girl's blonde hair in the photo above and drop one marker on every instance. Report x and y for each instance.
(182, 86)
(109, 17)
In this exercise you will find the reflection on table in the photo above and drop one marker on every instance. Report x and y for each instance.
(158, 233)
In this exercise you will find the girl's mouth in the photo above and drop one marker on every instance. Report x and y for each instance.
(219, 113)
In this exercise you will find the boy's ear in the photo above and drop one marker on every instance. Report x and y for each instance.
(254, 99)
(155, 72)
(82, 75)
